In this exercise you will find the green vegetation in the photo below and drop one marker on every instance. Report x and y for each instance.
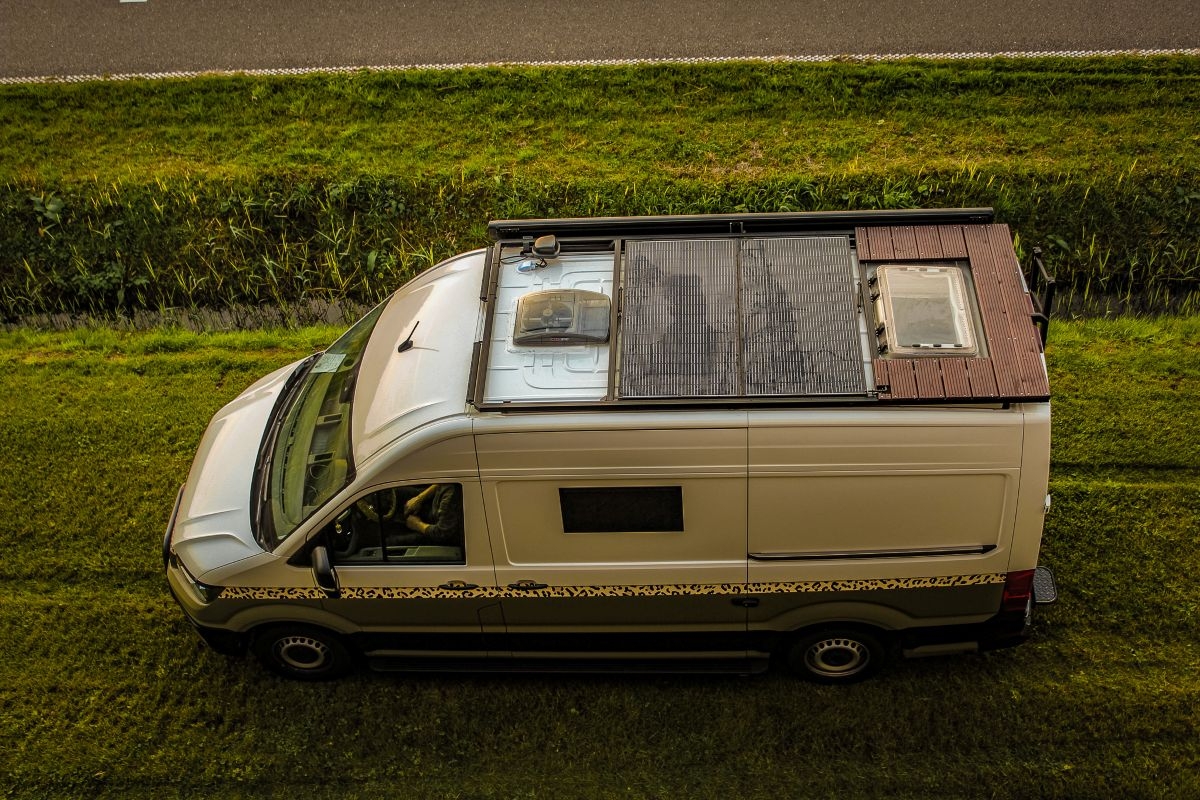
(107, 693)
(216, 191)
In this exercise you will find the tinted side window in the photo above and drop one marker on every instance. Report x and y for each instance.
(420, 524)
(615, 509)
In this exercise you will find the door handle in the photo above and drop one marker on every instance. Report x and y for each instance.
(746, 602)
(527, 584)
(459, 586)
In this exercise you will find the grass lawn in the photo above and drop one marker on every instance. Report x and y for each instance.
(220, 190)
(621, 124)
(106, 692)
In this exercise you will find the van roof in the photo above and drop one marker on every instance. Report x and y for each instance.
(745, 309)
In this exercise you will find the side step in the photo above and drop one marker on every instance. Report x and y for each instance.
(946, 649)
(733, 666)
(1044, 589)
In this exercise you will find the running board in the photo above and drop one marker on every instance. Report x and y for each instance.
(946, 649)
(736, 666)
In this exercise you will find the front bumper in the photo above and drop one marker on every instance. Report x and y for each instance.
(228, 643)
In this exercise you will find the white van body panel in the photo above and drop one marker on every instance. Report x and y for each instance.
(1035, 481)
(399, 392)
(523, 472)
(212, 528)
(825, 482)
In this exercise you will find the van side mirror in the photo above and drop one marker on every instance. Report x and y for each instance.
(324, 573)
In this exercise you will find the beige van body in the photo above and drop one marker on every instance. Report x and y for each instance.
(519, 482)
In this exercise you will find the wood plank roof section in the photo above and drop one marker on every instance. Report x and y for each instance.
(1014, 368)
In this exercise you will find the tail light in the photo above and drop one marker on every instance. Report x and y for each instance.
(1018, 588)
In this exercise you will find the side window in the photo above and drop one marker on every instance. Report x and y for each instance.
(420, 524)
(619, 509)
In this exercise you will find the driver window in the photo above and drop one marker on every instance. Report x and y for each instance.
(420, 524)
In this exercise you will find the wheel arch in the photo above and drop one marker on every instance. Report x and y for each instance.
(253, 619)
(883, 620)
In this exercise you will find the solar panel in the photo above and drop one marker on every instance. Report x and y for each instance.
(679, 331)
(761, 317)
(800, 317)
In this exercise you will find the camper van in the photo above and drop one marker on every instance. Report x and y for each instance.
(680, 443)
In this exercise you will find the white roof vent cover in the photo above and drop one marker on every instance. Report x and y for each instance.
(562, 317)
(923, 310)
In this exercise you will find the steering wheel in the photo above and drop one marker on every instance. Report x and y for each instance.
(345, 536)
(387, 507)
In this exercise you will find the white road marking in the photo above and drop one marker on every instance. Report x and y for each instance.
(603, 62)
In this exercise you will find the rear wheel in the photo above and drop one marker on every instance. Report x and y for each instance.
(302, 652)
(835, 655)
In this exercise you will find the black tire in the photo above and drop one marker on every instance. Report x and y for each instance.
(302, 652)
(835, 655)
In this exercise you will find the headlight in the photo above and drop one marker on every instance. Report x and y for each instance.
(166, 545)
(207, 593)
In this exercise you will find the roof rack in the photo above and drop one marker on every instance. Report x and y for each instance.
(806, 222)
(753, 309)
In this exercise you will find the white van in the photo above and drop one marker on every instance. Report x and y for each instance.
(648, 443)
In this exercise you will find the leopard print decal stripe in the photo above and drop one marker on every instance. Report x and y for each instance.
(270, 593)
(651, 590)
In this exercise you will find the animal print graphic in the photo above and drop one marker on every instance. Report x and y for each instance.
(650, 590)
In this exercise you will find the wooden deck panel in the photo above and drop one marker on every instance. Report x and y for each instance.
(1023, 374)
(1013, 367)
(929, 243)
(874, 244)
(904, 381)
(983, 377)
(996, 323)
(880, 368)
(1027, 342)
(929, 378)
(953, 244)
(956, 381)
(904, 243)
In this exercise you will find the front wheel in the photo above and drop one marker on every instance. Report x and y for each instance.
(835, 655)
(302, 652)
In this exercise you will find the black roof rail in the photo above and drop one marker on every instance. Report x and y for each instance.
(1042, 287)
(809, 222)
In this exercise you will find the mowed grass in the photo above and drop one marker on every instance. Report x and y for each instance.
(625, 124)
(106, 692)
(120, 197)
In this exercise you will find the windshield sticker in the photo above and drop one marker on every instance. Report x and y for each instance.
(329, 362)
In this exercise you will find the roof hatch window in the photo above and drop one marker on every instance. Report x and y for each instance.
(562, 317)
(923, 310)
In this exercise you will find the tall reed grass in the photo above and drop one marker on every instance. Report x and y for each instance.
(1124, 242)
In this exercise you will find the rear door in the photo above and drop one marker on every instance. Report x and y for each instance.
(910, 510)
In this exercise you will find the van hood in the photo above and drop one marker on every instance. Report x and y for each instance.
(212, 528)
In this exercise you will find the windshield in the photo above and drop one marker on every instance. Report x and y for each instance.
(310, 457)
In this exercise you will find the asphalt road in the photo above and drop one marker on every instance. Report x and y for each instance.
(97, 37)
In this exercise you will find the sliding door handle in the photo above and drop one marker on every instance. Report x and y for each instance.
(460, 586)
(527, 585)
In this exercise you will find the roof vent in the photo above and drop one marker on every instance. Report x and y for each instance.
(562, 317)
(923, 310)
